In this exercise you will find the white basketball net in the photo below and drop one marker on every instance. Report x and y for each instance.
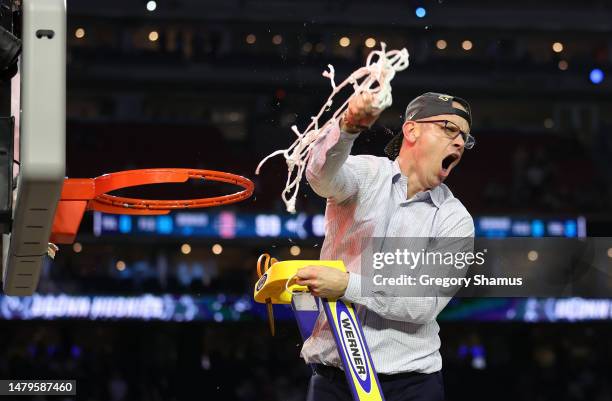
(380, 71)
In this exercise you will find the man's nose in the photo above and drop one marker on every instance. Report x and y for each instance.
(458, 142)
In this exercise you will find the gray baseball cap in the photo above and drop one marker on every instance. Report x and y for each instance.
(428, 105)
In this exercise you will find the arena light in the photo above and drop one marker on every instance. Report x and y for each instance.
(307, 47)
(563, 65)
(185, 249)
(549, 123)
(532, 256)
(479, 361)
(77, 247)
(596, 76)
(467, 45)
(295, 250)
(151, 5)
(79, 33)
(277, 39)
(420, 12)
(251, 38)
(120, 265)
(153, 36)
(344, 41)
(610, 253)
(217, 249)
(557, 47)
(441, 44)
(370, 43)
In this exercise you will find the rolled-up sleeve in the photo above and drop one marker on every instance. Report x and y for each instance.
(329, 171)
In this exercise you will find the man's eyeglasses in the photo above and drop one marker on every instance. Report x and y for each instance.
(452, 131)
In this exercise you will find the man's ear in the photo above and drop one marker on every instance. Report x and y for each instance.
(410, 131)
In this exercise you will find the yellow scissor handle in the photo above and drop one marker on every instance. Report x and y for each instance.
(264, 262)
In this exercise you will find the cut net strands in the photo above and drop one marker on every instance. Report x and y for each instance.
(379, 72)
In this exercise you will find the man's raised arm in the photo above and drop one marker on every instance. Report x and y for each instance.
(330, 171)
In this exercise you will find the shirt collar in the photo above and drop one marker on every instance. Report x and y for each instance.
(437, 195)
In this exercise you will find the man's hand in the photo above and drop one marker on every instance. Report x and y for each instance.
(323, 281)
(360, 113)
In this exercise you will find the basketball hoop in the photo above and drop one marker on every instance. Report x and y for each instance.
(82, 194)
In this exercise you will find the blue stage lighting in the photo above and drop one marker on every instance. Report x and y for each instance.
(596, 76)
(420, 12)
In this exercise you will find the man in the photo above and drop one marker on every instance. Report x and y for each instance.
(370, 197)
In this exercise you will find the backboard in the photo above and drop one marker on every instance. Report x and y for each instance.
(41, 130)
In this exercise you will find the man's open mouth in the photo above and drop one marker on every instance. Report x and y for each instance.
(449, 162)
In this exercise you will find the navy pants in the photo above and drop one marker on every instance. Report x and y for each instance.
(331, 385)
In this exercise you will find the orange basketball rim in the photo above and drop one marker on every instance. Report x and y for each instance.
(82, 194)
